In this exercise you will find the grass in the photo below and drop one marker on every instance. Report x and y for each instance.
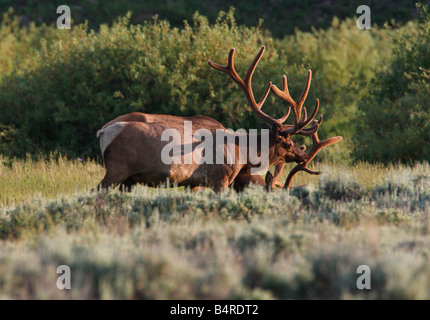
(21, 180)
(24, 179)
(158, 243)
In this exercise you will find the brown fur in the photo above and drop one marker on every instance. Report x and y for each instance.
(241, 181)
(134, 155)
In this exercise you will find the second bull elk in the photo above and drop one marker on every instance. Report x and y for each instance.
(132, 151)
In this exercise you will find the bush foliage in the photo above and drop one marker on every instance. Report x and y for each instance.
(394, 114)
(281, 17)
(59, 87)
(61, 95)
(72, 83)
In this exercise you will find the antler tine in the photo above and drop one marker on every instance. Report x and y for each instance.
(317, 146)
(253, 65)
(304, 132)
(246, 85)
(306, 121)
(229, 68)
(300, 121)
(284, 94)
(306, 90)
(285, 116)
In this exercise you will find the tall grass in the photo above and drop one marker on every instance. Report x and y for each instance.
(161, 243)
(23, 179)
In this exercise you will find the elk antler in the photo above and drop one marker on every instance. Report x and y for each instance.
(245, 85)
(317, 145)
(299, 123)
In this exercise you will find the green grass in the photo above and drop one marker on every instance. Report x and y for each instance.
(21, 180)
(160, 243)
(24, 179)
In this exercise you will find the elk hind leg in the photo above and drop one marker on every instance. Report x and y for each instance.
(113, 178)
(127, 184)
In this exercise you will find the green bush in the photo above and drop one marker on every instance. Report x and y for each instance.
(393, 119)
(17, 42)
(342, 58)
(61, 95)
(59, 87)
(342, 187)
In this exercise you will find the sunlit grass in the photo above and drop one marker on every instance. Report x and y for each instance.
(23, 179)
(366, 174)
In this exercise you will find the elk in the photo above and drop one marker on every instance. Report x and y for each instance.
(131, 150)
(199, 122)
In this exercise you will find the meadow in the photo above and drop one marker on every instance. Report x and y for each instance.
(159, 243)
(369, 207)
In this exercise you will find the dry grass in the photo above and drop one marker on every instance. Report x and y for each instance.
(21, 180)
(162, 243)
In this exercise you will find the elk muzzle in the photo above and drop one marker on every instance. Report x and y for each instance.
(299, 154)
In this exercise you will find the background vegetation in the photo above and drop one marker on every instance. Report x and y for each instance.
(59, 87)
(274, 12)
(396, 107)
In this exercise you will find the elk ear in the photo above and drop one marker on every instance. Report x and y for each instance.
(303, 148)
(276, 132)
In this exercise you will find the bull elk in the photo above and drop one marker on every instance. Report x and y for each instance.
(132, 150)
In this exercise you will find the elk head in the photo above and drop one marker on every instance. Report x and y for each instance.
(283, 149)
(299, 126)
(286, 149)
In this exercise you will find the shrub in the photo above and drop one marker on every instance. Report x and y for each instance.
(342, 58)
(17, 42)
(66, 91)
(71, 83)
(342, 187)
(393, 119)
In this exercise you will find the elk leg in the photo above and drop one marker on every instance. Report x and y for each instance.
(277, 174)
(269, 181)
(197, 189)
(220, 185)
(126, 185)
(111, 180)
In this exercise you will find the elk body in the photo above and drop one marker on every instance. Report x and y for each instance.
(132, 150)
(198, 122)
